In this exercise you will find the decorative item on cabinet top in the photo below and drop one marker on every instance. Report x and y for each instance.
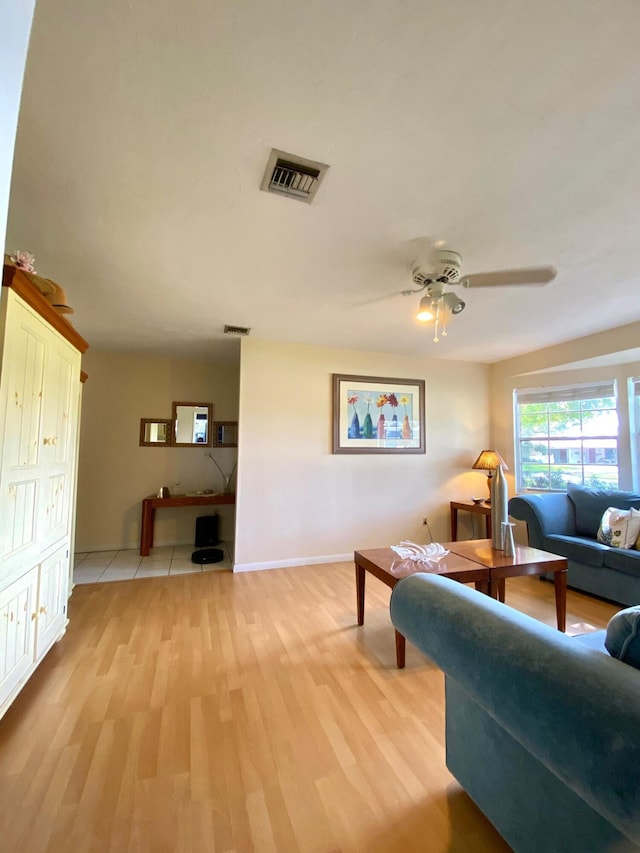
(24, 261)
(32, 289)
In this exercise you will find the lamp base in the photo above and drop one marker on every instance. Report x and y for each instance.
(489, 479)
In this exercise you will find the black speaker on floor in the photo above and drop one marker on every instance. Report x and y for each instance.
(206, 531)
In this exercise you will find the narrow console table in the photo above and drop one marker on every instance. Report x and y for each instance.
(469, 506)
(149, 506)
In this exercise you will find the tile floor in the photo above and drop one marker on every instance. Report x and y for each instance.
(126, 565)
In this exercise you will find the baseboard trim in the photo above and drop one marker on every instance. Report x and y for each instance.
(237, 567)
(296, 561)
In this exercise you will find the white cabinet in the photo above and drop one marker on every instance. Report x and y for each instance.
(39, 392)
(53, 592)
(17, 633)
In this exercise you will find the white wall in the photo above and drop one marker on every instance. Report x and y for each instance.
(16, 18)
(561, 365)
(298, 503)
(115, 473)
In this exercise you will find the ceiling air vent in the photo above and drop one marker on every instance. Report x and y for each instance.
(293, 176)
(236, 330)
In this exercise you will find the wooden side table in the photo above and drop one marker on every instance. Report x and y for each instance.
(469, 506)
(150, 504)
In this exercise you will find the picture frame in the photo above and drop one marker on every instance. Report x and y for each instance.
(377, 414)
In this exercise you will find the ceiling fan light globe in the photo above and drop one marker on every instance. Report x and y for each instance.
(424, 316)
(424, 311)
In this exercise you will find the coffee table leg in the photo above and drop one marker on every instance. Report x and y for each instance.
(360, 593)
(560, 583)
(400, 650)
(483, 587)
(494, 589)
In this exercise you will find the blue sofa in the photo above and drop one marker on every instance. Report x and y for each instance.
(542, 730)
(566, 523)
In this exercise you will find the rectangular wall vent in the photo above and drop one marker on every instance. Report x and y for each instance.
(236, 330)
(293, 176)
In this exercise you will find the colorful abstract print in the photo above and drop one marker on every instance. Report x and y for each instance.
(374, 415)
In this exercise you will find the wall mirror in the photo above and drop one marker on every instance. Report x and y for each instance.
(192, 424)
(225, 433)
(155, 432)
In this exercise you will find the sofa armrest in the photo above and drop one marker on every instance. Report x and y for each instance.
(552, 512)
(575, 709)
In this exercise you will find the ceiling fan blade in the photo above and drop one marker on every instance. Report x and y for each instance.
(386, 296)
(527, 277)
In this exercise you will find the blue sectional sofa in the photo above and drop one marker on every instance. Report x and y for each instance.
(566, 523)
(542, 730)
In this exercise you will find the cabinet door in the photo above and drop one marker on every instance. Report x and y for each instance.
(21, 414)
(52, 599)
(17, 633)
(60, 416)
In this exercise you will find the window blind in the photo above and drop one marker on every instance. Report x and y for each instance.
(568, 393)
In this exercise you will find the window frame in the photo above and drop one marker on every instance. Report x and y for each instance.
(633, 395)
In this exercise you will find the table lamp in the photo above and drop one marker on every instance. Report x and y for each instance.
(489, 461)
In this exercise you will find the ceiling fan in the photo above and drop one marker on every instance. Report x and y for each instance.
(443, 269)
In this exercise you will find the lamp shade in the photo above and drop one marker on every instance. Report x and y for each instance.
(489, 461)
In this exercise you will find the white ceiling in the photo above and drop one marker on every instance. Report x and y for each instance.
(507, 128)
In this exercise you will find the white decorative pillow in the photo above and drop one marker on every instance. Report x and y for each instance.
(619, 528)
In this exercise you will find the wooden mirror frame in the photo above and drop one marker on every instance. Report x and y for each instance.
(218, 433)
(143, 432)
(174, 418)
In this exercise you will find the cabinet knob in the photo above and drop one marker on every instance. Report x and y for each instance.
(43, 609)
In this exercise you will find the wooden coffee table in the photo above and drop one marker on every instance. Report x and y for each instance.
(379, 562)
(525, 561)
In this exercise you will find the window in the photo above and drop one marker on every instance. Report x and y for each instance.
(567, 435)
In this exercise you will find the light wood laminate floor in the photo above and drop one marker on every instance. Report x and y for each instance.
(217, 712)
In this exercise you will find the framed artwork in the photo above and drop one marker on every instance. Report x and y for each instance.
(374, 414)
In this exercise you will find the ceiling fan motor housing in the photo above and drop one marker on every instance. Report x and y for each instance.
(443, 266)
(448, 264)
